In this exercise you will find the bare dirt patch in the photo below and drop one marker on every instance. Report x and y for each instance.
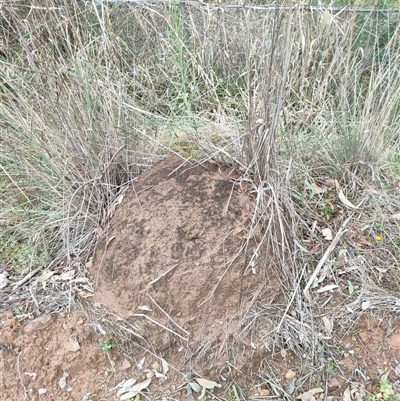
(34, 357)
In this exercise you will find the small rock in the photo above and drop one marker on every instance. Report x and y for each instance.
(331, 183)
(10, 322)
(39, 323)
(72, 345)
(333, 382)
(155, 366)
(63, 381)
(264, 392)
(149, 375)
(290, 374)
(125, 365)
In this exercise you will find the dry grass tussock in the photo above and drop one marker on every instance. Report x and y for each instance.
(90, 96)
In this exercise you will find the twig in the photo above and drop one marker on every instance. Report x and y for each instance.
(162, 275)
(27, 277)
(159, 324)
(329, 250)
(131, 331)
(20, 376)
(220, 279)
(112, 363)
(34, 299)
(166, 314)
(285, 314)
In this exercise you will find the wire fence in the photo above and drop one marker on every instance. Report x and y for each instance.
(264, 7)
(221, 6)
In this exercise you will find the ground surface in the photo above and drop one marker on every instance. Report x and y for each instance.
(35, 357)
(170, 288)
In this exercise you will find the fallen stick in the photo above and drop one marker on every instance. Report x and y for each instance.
(166, 314)
(160, 325)
(329, 250)
(27, 277)
(162, 275)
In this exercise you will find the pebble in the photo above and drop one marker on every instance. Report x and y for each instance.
(155, 366)
(150, 375)
(39, 323)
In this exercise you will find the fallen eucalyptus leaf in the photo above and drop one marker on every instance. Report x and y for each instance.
(328, 325)
(208, 384)
(164, 365)
(43, 277)
(134, 390)
(203, 393)
(195, 387)
(159, 375)
(125, 385)
(350, 287)
(345, 201)
(67, 275)
(310, 395)
(347, 394)
(140, 364)
(327, 288)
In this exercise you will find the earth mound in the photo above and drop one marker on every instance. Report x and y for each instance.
(175, 258)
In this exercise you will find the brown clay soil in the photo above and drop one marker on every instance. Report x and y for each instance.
(35, 357)
(170, 273)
